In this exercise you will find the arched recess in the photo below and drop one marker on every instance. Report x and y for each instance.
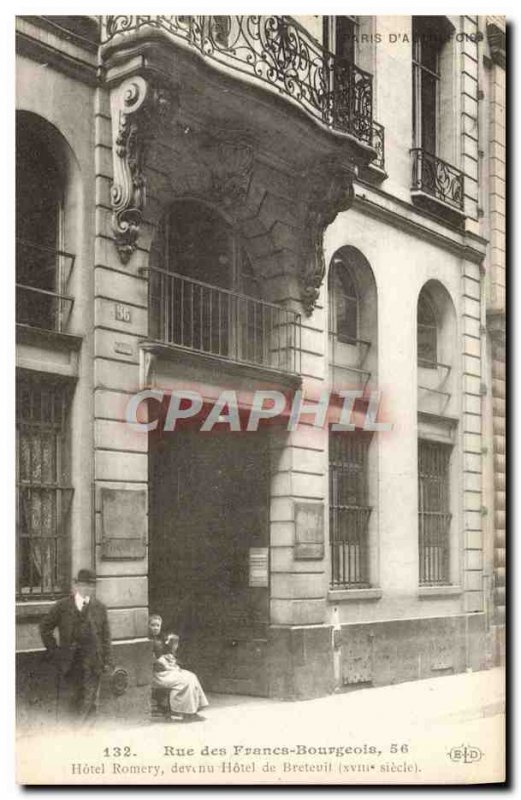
(48, 229)
(438, 453)
(436, 352)
(282, 203)
(222, 173)
(205, 295)
(353, 320)
(353, 454)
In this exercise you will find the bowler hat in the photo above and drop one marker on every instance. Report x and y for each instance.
(86, 576)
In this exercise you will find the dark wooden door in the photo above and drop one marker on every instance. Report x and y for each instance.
(209, 506)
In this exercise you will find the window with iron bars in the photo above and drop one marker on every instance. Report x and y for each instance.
(349, 511)
(44, 493)
(434, 512)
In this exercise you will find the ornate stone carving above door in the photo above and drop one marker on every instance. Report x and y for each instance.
(230, 159)
(225, 167)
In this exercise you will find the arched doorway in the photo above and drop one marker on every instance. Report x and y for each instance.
(209, 491)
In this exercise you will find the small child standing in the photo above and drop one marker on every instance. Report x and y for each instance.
(186, 695)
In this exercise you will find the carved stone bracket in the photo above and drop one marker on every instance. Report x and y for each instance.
(497, 41)
(147, 364)
(137, 108)
(327, 189)
(496, 326)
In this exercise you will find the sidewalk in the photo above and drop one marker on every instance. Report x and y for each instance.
(441, 730)
(450, 698)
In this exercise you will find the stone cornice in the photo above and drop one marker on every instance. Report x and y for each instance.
(467, 246)
(39, 51)
(55, 26)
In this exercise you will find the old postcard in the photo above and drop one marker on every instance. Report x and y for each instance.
(260, 414)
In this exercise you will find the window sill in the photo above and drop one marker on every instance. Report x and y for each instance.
(439, 208)
(439, 591)
(372, 174)
(175, 352)
(28, 334)
(339, 595)
(33, 609)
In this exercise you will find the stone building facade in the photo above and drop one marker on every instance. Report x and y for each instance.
(214, 205)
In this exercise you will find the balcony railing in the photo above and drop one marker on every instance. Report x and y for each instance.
(41, 290)
(196, 316)
(378, 143)
(275, 50)
(437, 178)
(434, 394)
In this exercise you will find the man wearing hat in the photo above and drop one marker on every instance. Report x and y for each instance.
(83, 652)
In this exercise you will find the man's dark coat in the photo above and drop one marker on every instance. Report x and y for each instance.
(63, 615)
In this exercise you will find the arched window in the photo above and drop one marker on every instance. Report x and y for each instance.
(39, 225)
(344, 302)
(203, 290)
(427, 331)
(352, 362)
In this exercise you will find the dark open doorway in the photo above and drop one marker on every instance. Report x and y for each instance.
(209, 505)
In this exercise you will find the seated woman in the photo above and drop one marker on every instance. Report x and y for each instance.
(155, 623)
(186, 695)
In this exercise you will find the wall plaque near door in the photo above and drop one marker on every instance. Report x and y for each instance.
(309, 530)
(123, 517)
(259, 571)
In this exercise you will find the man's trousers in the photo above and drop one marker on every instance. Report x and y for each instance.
(78, 690)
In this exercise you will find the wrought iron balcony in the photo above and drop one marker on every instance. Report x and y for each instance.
(273, 50)
(378, 143)
(437, 178)
(41, 289)
(196, 316)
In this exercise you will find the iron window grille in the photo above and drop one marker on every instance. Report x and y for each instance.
(378, 143)
(42, 298)
(349, 511)
(434, 512)
(437, 178)
(44, 494)
(43, 268)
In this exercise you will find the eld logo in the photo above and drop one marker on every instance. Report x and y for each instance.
(465, 754)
